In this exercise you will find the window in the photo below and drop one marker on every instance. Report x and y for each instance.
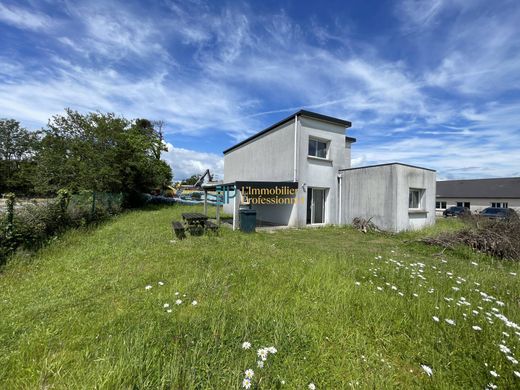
(317, 148)
(440, 205)
(463, 204)
(415, 198)
(503, 205)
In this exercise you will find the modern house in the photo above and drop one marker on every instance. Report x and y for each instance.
(297, 173)
(477, 194)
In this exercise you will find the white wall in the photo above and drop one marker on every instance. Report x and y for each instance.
(479, 204)
(381, 193)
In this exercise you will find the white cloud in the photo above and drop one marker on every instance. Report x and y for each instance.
(185, 162)
(22, 18)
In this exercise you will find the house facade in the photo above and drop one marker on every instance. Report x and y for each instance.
(311, 153)
(477, 194)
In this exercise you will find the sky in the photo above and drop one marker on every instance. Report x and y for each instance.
(429, 83)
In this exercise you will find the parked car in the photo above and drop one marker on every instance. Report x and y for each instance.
(499, 213)
(456, 211)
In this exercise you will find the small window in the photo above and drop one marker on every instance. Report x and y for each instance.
(415, 198)
(440, 205)
(463, 204)
(317, 148)
(503, 205)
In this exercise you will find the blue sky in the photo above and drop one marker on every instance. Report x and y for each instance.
(431, 83)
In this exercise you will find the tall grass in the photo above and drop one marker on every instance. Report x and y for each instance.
(78, 314)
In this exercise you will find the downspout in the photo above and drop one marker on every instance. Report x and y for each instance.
(296, 148)
(340, 182)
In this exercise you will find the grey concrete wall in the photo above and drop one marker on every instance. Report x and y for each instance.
(479, 204)
(267, 158)
(381, 193)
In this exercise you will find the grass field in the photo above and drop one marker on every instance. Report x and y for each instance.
(343, 310)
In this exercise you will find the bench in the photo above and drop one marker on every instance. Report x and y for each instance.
(179, 230)
(211, 226)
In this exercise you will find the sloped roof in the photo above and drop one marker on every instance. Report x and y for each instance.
(308, 114)
(507, 187)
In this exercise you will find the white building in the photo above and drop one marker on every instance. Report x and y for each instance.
(477, 194)
(310, 154)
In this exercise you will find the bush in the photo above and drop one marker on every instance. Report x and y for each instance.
(33, 225)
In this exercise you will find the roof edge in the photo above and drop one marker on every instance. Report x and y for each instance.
(305, 113)
(386, 164)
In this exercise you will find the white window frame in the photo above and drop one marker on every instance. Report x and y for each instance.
(442, 203)
(463, 204)
(420, 202)
(502, 205)
(321, 140)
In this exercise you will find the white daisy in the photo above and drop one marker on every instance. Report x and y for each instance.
(160, 283)
(494, 373)
(272, 350)
(148, 287)
(194, 303)
(169, 311)
(262, 353)
(260, 364)
(516, 373)
(166, 305)
(451, 322)
(178, 302)
(246, 345)
(435, 318)
(312, 386)
(246, 383)
(427, 369)
(477, 328)
(249, 373)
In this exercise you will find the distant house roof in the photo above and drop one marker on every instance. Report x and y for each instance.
(305, 113)
(387, 164)
(508, 187)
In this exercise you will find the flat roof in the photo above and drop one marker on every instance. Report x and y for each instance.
(505, 187)
(392, 163)
(253, 183)
(308, 114)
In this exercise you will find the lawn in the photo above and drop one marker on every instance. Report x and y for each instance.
(343, 309)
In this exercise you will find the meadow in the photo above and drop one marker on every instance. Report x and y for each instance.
(122, 306)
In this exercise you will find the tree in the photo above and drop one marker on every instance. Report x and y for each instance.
(191, 180)
(100, 152)
(16, 157)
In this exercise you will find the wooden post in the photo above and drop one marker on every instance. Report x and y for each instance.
(218, 213)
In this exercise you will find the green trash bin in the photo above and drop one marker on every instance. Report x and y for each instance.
(247, 220)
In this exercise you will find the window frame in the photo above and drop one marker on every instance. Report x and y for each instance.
(420, 198)
(463, 204)
(318, 141)
(443, 205)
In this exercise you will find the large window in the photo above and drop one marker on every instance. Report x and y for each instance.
(415, 198)
(463, 204)
(440, 205)
(317, 148)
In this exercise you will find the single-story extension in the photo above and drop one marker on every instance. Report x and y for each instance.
(477, 194)
(298, 173)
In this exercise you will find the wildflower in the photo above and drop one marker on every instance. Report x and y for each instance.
(246, 383)
(169, 311)
(246, 345)
(160, 283)
(282, 382)
(260, 364)
(194, 303)
(249, 373)
(512, 273)
(477, 328)
(272, 350)
(148, 287)
(455, 288)
(177, 293)
(494, 373)
(491, 386)
(474, 312)
(474, 263)
(512, 359)
(415, 295)
(262, 353)
(451, 322)
(178, 302)
(435, 318)
(357, 284)
(504, 349)
(312, 386)
(380, 288)
(166, 305)
(516, 373)
(427, 369)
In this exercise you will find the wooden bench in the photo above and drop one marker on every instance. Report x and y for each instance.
(211, 226)
(179, 230)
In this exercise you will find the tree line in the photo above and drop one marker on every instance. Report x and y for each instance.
(94, 151)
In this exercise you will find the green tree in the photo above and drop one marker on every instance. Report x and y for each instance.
(16, 157)
(191, 180)
(100, 152)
